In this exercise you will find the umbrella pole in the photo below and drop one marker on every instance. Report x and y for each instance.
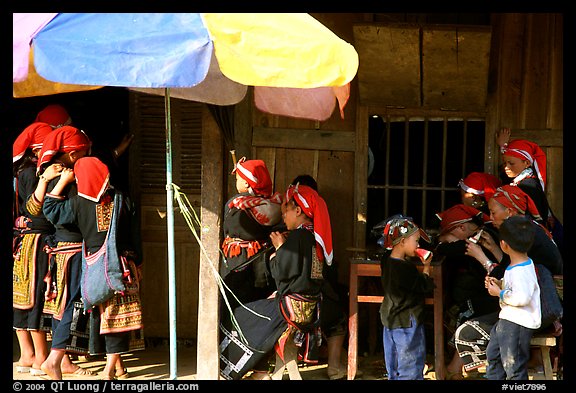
(170, 223)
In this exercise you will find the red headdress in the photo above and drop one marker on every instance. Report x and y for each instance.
(459, 214)
(92, 177)
(62, 140)
(256, 174)
(32, 137)
(514, 198)
(398, 227)
(526, 150)
(314, 206)
(480, 183)
(55, 115)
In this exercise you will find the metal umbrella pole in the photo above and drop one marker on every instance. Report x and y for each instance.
(170, 223)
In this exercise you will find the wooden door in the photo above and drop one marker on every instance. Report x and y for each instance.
(148, 185)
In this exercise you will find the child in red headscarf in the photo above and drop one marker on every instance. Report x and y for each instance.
(91, 210)
(249, 217)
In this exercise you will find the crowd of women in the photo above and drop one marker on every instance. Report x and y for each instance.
(64, 211)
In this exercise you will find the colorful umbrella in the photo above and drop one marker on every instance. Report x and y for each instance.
(298, 67)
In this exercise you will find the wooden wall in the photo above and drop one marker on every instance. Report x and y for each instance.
(526, 89)
(524, 93)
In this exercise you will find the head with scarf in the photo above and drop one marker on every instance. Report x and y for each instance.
(314, 207)
(55, 115)
(255, 174)
(461, 221)
(67, 144)
(399, 227)
(520, 156)
(477, 188)
(92, 178)
(31, 138)
(510, 200)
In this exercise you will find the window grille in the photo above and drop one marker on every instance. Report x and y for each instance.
(415, 164)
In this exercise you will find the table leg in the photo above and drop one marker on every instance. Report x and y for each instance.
(353, 323)
(438, 324)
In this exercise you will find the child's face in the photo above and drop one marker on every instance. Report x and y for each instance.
(290, 215)
(241, 184)
(411, 244)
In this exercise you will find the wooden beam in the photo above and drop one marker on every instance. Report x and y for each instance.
(361, 176)
(544, 138)
(207, 357)
(293, 138)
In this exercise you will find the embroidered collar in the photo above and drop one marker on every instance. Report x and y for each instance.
(526, 173)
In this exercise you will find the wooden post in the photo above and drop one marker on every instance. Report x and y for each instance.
(207, 355)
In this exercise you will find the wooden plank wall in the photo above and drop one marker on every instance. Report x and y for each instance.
(526, 89)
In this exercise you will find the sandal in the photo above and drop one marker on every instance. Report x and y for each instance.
(22, 369)
(37, 372)
(81, 372)
(122, 374)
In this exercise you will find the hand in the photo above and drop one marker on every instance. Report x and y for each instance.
(487, 241)
(278, 238)
(503, 136)
(475, 251)
(124, 144)
(53, 171)
(67, 176)
(493, 285)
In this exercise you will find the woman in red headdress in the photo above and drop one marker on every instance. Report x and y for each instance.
(464, 277)
(524, 163)
(63, 146)
(293, 311)
(477, 188)
(30, 261)
(91, 210)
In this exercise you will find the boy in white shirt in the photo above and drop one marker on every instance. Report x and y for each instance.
(509, 348)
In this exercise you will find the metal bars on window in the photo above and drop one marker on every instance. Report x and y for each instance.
(417, 163)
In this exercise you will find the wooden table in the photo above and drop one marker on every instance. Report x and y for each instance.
(360, 267)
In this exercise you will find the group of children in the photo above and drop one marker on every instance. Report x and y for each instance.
(492, 244)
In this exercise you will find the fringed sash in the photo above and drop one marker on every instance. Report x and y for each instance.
(302, 313)
(56, 279)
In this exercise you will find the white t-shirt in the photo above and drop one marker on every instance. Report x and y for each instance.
(520, 296)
